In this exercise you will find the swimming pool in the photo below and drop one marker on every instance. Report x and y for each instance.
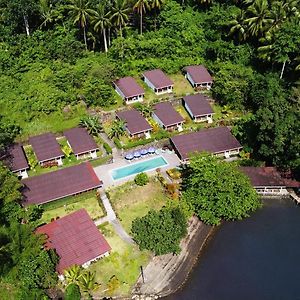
(135, 168)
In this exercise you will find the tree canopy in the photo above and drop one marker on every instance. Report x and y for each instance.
(160, 231)
(217, 190)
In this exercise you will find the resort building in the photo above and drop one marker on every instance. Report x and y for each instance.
(158, 81)
(135, 124)
(16, 160)
(198, 107)
(167, 117)
(129, 90)
(76, 240)
(81, 143)
(46, 149)
(59, 184)
(198, 77)
(218, 141)
(266, 180)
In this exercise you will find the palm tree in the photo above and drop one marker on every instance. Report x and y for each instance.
(259, 20)
(92, 124)
(73, 274)
(141, 6)
(117, 129)
(119, 14)
(87, 282)
(48, 13)
(101, 21)
(238, 26)
(146, 110)
(156, 6)
(81, 13)
(205, 2)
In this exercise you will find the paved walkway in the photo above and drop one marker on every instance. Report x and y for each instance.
(112, 218)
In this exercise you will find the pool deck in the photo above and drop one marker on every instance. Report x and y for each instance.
(104, 172)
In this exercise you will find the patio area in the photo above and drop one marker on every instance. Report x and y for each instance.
(105, 171)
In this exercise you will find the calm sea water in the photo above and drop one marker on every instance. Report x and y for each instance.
(257, 258)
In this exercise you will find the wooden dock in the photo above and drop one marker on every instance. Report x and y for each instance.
(295, 197)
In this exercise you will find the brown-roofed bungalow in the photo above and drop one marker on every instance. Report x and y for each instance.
(218, 141)
(59, 184)
(16, 160)
(81, 143)
(46, 148)
(129, 89)
(198, 107)
(135, 124)
(167, 117)
(76, 239)
(198, 77)
(158, 81)
(265, 180)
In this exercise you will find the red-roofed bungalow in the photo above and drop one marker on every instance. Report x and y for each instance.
(76, 239)
(198, 76)
(158, 81)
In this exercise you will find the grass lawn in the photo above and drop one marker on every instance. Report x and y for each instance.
(182, 87)
(62, 207)
(56, 122)
(124, 263)
(131, 201)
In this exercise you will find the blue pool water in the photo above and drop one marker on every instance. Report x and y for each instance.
(139, 167)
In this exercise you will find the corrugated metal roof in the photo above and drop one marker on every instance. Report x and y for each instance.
(135, 122)
(158, 78)
(80, 141)
(198, 104)
(167, 114)
(129, 87)
(75, 238)
(59, 184)
(45, 146)
(213, 140)
(198, 73)
(16, 159)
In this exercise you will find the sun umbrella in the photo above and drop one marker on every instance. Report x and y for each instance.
(137, 153)
(151, 150)
(144, 151)
(129, 156)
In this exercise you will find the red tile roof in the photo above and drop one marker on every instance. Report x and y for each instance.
(158, 78)
(59, 184)
(45, 147)
(129, 87)
(75, 238)
(80, 141)
(167, 114)
(198, 73)
(263, 176)
(198, 105)
(135, 122)
(214, 140)
(16, 159)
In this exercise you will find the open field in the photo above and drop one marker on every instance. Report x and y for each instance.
(62, 207)
(124, 263)
(131, 201)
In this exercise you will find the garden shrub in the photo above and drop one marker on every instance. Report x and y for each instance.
(141, 179)
(107, 148)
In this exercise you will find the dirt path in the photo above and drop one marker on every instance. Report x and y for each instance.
(166, 273)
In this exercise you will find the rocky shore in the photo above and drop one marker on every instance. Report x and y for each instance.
(166, 274)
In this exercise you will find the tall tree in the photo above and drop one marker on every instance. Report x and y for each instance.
(81, 12)
(259, 20)
(141, 6)
(117, 129)
(119, 14)
(156, 5)
(92, 124)
(160, 231)
(101, 21)
(217, 190)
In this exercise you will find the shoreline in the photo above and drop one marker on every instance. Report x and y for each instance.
(166, 274)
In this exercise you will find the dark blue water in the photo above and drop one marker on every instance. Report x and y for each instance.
(257, 258)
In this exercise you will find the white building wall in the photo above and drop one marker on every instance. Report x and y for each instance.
(148, 82)
(189, 78)
(188, 110)
(156, 119)
(119, 91)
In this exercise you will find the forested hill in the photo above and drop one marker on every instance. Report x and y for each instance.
(56, 56)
